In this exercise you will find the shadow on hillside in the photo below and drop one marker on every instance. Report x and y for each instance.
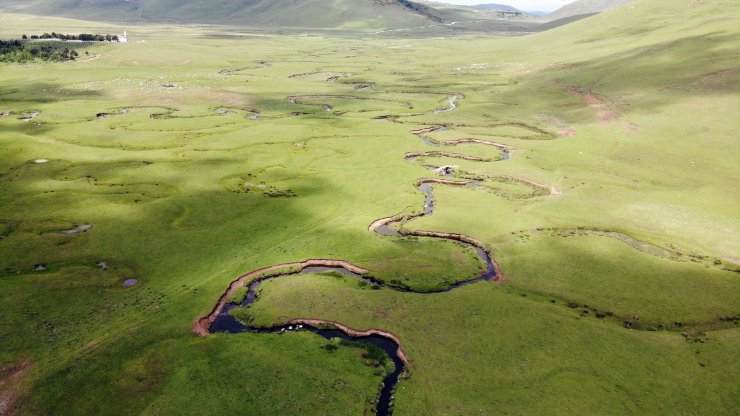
(667, 64)
(158, 228)
(658, 74)
(42, 93)
(163, 227)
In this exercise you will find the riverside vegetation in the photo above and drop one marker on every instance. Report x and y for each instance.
(601, 163)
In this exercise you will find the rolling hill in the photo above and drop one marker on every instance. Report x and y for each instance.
(585, 7)
(310, 14)
(494, 6)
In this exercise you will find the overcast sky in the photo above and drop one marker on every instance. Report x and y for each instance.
(543, 5)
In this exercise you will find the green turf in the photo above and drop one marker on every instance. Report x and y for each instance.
(484, 345)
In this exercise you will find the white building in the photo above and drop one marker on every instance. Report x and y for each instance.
(123, 38)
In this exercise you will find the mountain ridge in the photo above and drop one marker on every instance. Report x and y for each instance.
(379, 14)
(411, 17)
(496, 6)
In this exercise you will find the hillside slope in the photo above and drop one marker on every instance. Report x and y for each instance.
(290, 13)
(330, 14)
(585, 7)
(494, 6)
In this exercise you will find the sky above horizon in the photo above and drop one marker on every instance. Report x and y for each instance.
(539, 5)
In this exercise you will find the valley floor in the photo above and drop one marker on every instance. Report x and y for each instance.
(595, 165)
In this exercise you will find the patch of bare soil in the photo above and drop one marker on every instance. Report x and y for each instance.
(10, 379)
(732, 260)
(567, 133)
(603, 111)
(604, 108)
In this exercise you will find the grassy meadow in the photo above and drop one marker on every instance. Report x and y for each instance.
(199, 154)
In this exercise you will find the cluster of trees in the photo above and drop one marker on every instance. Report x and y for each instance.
(21, 50)
(85, 37)
(17, 51)
(9, 46)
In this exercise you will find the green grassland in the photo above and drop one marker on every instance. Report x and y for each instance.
(483, 347)
(620, 287)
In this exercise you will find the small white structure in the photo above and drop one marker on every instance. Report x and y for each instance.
(123, 38)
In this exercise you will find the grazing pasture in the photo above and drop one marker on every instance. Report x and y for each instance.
(596, 164)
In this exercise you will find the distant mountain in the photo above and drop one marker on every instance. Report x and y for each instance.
(261, 13)
(537, 13)
(493, 6)
(585, 7)
(285, 13)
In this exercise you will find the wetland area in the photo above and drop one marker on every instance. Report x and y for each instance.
(413, 220)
